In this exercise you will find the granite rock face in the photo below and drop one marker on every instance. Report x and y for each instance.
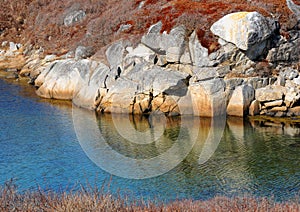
(208, 98)
(174, 74)
(80, 81)
(138, 91)
(240, 101)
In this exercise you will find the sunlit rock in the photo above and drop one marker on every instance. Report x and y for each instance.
(240, 101)
(247, 30)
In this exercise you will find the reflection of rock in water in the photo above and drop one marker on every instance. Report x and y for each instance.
(276, 126)
(133, 145)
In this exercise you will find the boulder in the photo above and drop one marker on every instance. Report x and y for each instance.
(153, 38)
(270, 93)
(74, 17)
(291, 97)
(73, 80)
(208, 98)
(60, 79)
(295, 111)
(258, 82)
(294, 8)
(83, 52)
(247, 30)
(254, 108)
(278, 109)
(175, 43)
(296, 81)
(275, 103)
(240, 101)
(170, 44)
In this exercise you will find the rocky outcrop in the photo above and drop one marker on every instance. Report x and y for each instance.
(287, 51)
(140, 91)
(173, 74)
(208, 98)
(80, 81)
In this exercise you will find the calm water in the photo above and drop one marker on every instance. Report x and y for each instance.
(53, 146)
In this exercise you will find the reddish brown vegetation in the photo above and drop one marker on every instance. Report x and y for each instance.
(94, 199)
(40, 22)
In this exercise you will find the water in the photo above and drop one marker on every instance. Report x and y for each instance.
(46, 143)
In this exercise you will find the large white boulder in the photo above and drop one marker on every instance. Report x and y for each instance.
(247, 30)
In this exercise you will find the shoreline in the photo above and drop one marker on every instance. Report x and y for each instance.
(171, 73)
(95, 199)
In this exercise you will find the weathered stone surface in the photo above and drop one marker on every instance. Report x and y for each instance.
(186, 57)
(296, 80)
(244, 29)
(286, 52)
(278, 109)
(74, 17)
(291, 97)
(295, 111)
(254, 108)
(115, 54)
(59, 80)
(275, 103)
(257, 82)
(134, 91)
(17, 62)
(140, 54)
(182, 68)
(294, 8)
(83, 52)
(233, 82)
(290, 73)
(205, 73)
(270, 93)
(73, 80)
(199, 54)
(175, 43)
(92, 90)
(208, 98)
(240, 100)
(172, 45)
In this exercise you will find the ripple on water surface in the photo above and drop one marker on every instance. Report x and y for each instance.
(39, 146)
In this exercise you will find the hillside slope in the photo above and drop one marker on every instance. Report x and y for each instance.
(41, 22)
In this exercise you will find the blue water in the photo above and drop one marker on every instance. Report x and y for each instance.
(39, 146)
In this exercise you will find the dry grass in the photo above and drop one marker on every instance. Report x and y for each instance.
(94, 199)
(40, 22)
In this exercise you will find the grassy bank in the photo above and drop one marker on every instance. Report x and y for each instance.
(94, 199)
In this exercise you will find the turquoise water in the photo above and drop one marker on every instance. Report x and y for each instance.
(51, 145)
